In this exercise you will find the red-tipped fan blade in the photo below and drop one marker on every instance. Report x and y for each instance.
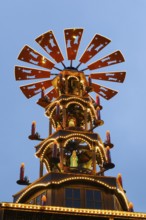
(97, 44)
(72, 40)
(109, 76)
(47, 98)
(35, 88)
(48, 42)
(24, 73)
(111, 59)
(31, 56)
(104, 91)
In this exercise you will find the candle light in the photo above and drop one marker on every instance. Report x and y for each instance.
(108, 154)
(44, 199)
(130, 207)
(108, 138)
(33, 128)
(119, 177)
(43, 92)
(97, 100)
(89, 80)
(98, 114)
(22, 172)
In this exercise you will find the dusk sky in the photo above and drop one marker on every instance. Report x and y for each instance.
(122, 21)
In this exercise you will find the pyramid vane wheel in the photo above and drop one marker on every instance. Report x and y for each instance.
(58, 81)
(72, 152)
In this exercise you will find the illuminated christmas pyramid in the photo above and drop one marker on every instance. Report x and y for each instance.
(73, 154)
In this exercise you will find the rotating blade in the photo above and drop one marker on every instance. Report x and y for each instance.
(111, 59)
(109, 76)
(48, 42)
(103, 91)
(35, 88)
(97, 43)
(31, 56)
(47, 98)
(24, 73)
(72, 40)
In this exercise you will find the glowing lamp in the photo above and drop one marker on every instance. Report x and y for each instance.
(44, 199)
(130, 207)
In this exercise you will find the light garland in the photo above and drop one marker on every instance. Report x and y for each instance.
(76, 135)
(73, 77)
(53, 111)
(102, 149)
(124, 196)
(103, 152)
(98, 149)
(65, 180)
(46, 148)
(78, 138)
(121, 191)
(75, 102)
(73, 135)
(44, 142)
(47, 165)
(53, 123)
(69, 99)
(92, 111)
(70, 137)
(66, 210)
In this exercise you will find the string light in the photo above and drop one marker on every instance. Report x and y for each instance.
(75, 102)
(70, 139)
(101, 148)
(48, 142)
(65, 180)
(47, 165)
(69, 99)
(98, 149)
(75, 211)
(43, 143)
(46, 148)
(73, 77)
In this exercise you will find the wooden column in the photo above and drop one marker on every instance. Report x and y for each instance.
(61, 157)
(81, 92)
(85, 118)
(50, 127)
(41, 169)
(94, 160)
(66, 85)
(64, 117)
(90, 124)
(78, 87)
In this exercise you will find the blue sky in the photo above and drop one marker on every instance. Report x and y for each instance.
(124, 22)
